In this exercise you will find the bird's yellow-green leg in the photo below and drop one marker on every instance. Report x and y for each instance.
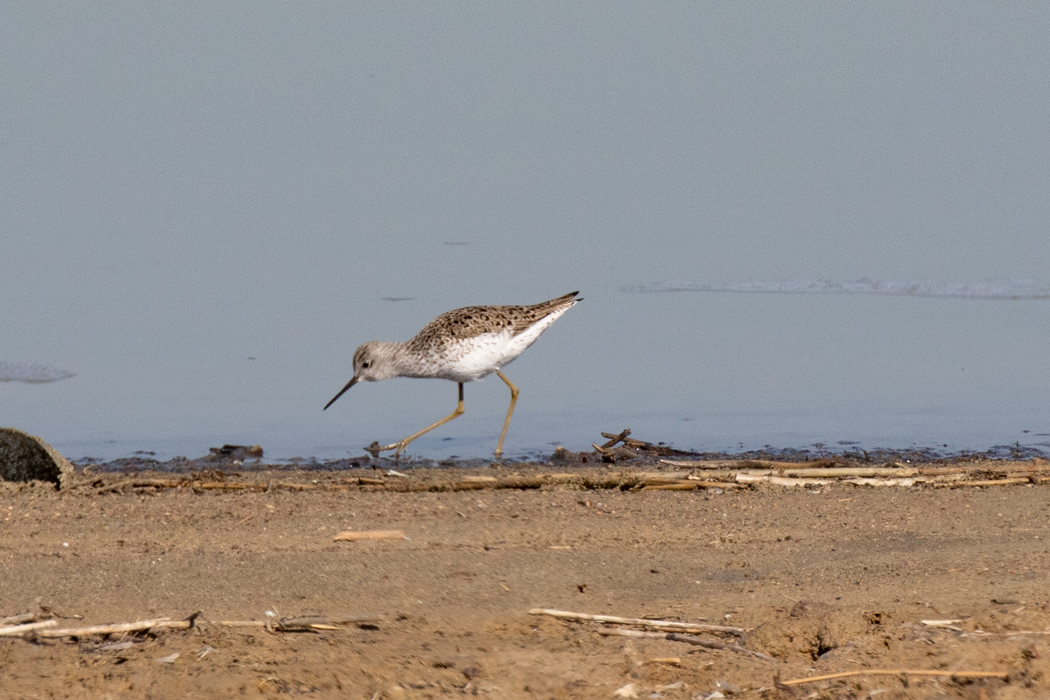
(375, 449)
(510, 412)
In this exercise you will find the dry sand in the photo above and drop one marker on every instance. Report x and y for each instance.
(825, 580)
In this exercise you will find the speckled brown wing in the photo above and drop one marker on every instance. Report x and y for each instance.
(472, 321)
(524, 316)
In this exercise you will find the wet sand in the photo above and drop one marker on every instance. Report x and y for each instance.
(825, 580)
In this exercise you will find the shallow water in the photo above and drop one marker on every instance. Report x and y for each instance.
(31, 373)
(984, 289)
(718, 372)
(201, 223)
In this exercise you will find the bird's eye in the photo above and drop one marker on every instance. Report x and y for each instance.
(366, 364)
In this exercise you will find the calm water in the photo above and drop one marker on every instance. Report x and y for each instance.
(703, 371)
(203, 213)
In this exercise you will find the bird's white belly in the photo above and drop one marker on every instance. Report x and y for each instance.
(482, 355)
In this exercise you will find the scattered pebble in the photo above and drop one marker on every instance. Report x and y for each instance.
(628, 691)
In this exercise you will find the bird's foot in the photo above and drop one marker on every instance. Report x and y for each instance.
(375, 448)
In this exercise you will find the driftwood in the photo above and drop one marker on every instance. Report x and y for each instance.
(613, 439)
(19, 619)
(812, 474)
(622, 482)
(639, 622)
(671, 630)
(745, 464)
(471, 483)
(198, 485)
(832, 467)
(883, 482)
(686, 638)
(111, 629)
(942, 624)
(16, 630)
(325, 621)
(928, 481)
(632, 447)
(657, 481)
(780, 480)
(287, 624)
(689, 485)
(845, 472)
(995, 482)
(835, 472)
(723, 474)
(897, 672)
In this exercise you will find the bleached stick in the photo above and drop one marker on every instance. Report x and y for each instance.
(329, 621)
(883, 482)
(991, 482)
(850, 471)
(639, 622)
(745, 464)
(943, 624)
(691, 486)
(22, 629)
(922, 475)
(780, 481)
(110, 629)
(19, 619)
(315, 621)
(898, 672)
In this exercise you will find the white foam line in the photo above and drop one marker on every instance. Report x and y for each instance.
(984, 289)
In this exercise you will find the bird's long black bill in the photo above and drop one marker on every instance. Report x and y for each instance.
(343, 391)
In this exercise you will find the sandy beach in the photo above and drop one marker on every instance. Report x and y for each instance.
(821, 579)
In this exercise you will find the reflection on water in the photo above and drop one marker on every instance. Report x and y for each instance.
(31, 374)
(983, 289)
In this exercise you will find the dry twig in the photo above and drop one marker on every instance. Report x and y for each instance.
(668, 625)
(19, 619)
(325, 621)
(746, 464)
(613, 439)
(898, 672)
(110, 629)
(287, 624)
(16, 630)
(800, 473)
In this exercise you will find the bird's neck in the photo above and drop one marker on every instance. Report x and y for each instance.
(399, 358)
(408, 361)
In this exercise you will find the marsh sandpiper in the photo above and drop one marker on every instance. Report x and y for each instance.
(463, 345)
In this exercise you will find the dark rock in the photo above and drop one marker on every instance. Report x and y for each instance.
(25, 457)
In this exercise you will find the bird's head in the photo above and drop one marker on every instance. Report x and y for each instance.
(372, 362)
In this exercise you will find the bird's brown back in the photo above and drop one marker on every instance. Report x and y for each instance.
(472, 321)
